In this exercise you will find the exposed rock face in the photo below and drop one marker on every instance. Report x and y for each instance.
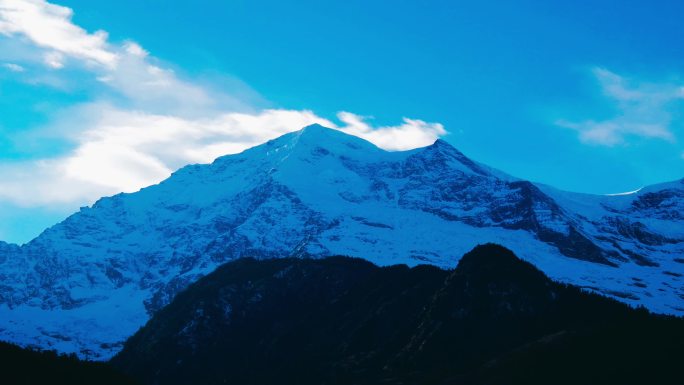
(89, 282)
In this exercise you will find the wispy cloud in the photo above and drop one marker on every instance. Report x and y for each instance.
(147, 122)
(643, 110)
(14, 67)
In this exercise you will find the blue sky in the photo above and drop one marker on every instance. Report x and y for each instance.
(585, 96)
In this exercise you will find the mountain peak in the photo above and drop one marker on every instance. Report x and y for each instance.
(334, 140)
(441, 152)
(315, 130)
(441, 143)
(315, 127)
(444, 147)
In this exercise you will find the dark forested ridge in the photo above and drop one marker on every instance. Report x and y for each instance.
(495, 319)
(19, 366)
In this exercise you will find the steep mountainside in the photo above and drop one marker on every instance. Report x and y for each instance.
(89, 282)
(492, 320)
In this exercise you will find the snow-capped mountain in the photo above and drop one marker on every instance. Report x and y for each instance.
(88, 283)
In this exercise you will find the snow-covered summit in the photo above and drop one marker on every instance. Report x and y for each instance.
(89, 282)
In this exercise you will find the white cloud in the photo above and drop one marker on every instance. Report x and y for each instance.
(411, 134)
(54, 59)
(49, 26)
(14, 67)
(135, 49)
(642, 110)
(149, 121)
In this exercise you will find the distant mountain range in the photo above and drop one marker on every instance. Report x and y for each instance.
(493, 320)
(88, 283)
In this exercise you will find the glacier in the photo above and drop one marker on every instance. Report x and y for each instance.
(89, 282)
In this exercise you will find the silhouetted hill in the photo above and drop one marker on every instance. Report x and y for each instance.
(20, 366)
(495, 319)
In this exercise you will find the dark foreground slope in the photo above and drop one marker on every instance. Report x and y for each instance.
(20, 366)
(495, 319)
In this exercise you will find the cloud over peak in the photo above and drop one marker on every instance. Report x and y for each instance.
(146, 121)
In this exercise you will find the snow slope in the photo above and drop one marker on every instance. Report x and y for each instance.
(88, 283)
